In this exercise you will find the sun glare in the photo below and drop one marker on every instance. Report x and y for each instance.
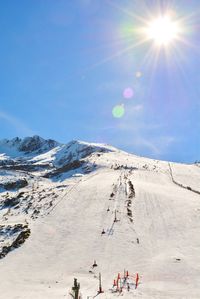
(163, 30)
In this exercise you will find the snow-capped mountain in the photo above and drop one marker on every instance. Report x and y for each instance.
(80, 209)
(35, 153)
(17, 146)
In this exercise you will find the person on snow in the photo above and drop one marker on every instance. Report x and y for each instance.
(103, 232)
(95, 264)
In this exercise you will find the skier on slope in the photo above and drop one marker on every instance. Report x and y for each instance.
(103, 232)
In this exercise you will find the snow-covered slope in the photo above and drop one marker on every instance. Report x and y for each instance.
(51, 229)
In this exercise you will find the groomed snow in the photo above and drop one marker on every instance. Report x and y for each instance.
(161, 244)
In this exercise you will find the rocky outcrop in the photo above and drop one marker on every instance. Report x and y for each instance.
(35, 143)
(71, 166)
(14, 235)
(10, 185)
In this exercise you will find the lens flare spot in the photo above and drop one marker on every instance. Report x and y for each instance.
(128, 93)
(138, 74)
(118, 111)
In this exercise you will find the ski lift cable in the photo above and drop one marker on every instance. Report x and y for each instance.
(69, 191)
(117, 204)
(110, 226)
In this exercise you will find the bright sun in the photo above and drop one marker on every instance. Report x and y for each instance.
(162, 30)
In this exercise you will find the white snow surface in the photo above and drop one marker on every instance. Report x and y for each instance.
(159, 241)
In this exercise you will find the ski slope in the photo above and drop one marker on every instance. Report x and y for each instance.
(156, 232)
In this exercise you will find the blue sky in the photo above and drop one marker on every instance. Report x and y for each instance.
(65, 65)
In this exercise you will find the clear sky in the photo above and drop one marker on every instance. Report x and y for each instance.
(85, 69)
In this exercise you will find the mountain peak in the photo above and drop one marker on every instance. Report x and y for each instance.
(30, 144)
(37, 148)
(15, 146)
